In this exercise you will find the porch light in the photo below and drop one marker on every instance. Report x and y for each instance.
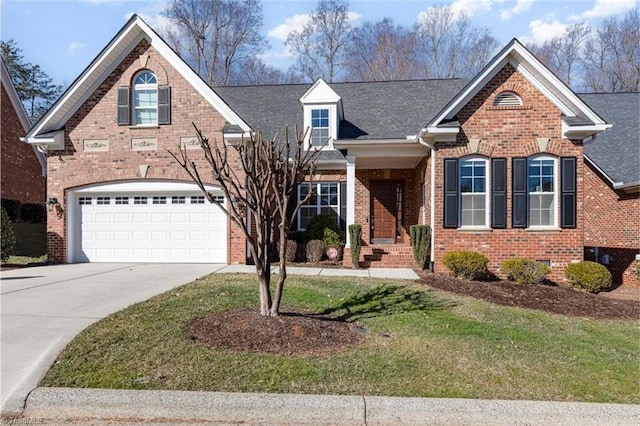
(51, 202)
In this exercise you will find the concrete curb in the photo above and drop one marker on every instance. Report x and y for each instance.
(288, 409)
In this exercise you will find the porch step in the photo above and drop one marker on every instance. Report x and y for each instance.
(387, 256)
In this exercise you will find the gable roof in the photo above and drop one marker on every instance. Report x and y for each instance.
(580, 120)
(372, 110)
(18, 106)
(616, 151)
(131, 34)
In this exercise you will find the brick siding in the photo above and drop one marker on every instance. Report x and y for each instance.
(22, 178)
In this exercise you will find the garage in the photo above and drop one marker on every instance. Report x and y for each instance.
(146, 222)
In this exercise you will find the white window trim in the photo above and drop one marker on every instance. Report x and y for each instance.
(333, 124)
(137, 87)
(556, 199)
(487, 195)
(318, 206)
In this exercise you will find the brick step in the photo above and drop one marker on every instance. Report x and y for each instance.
(387, 256)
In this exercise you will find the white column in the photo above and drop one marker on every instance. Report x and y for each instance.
(351, 193)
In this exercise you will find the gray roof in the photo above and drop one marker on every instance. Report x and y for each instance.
(372, 110)
(616, 151)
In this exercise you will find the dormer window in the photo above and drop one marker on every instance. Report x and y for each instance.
(507, 99)
(320, 124)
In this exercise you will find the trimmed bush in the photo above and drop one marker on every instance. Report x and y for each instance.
(421, 244)
(590, 276)
(317, 225)
(315, 250)
(331, 239)
(297, 236)
(33, 213)
(469, 265)
(525, 271)
(355, 239)
(8, 239)
(12, 207)
(292, 248)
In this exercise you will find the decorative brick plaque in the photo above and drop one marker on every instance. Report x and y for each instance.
(95, 145)
(144, 144)
(189, 142)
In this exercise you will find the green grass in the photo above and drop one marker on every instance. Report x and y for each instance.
(420, 343)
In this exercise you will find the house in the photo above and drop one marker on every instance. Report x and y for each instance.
(494, 164)
(23, 167)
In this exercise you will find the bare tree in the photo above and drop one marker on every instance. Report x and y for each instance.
(256, 72)
(381, 51)
(320, 45)
(217, 36)
(451, 46)
(564, 54)
(612, 55)
(263, 184)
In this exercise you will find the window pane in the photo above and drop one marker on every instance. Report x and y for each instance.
(478, 184)
(319, 137)
(466, 185)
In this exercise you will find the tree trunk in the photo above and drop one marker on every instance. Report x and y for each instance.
(282, 276)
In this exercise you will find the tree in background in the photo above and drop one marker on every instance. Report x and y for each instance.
(36, 89)
(260, 180)
(612, 55)
(382, 51)
(449, 46)
(320, 46)
(217, 37)
(563, 54)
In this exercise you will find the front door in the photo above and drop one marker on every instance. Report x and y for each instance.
(386, 203)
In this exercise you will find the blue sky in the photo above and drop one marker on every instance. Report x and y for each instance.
(63, 36)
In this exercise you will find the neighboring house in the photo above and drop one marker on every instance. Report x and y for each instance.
(23, 166)
(612, 173)
(494, 164)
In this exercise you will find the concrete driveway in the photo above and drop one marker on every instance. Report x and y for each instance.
(44, 307)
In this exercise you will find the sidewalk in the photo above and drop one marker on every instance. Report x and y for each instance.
(390, 273)
(106, 406)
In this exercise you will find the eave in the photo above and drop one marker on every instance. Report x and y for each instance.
(583, 131)
(51, 141)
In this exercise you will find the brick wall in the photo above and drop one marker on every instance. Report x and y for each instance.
(22, 178)
(612, 225)
(96, 119)
(510, 132)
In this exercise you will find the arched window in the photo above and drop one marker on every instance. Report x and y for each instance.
(507, 99)
(145, 98)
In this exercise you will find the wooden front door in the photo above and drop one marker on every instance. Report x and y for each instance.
(386, 200)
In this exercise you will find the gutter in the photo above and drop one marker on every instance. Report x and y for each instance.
(432, 197)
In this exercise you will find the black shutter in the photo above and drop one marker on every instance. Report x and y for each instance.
(520, 198)
(343, 206)
(568, 192)
(124, 114)
(499, 193)
(293, 200)
(164, 105)
(451, 193)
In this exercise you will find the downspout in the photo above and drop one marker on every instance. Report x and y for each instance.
(432, 201)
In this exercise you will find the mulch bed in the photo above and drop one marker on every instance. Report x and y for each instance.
(548, 298)
(291, 333)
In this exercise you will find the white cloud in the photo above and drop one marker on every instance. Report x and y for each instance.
(604, 8)
(76, 47)
(297, 22)
(544, 30)
(520, 7)
(472, 7)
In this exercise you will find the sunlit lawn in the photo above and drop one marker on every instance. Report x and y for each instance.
(420, 343)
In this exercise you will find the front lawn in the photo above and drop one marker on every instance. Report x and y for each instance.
(418, 342)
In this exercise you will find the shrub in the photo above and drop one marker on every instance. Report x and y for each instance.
(7, 238)
(355, 237)
(12, 207)
(292, 248)
(590, 276)
(34, 213)
(297, 236)
(470, 265)
(331, 239)
(315, 250)
(317, 225)
(421, 243)
(525, 271)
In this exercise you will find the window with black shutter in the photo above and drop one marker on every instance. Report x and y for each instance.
(568, 192)
(499, 193)
(450, 193)
(519, 196)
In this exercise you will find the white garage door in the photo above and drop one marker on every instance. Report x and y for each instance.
(148, 226)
